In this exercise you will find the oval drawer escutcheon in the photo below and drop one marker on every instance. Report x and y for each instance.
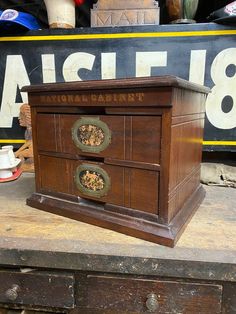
(92, 180)
(91, 134)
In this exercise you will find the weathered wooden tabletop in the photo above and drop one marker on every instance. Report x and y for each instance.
(33, 238)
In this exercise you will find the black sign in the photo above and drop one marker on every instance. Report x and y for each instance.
(202, 53)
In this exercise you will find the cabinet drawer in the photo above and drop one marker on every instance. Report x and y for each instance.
(37, 289)
(126, 187)
(134, 138)
(125, 295)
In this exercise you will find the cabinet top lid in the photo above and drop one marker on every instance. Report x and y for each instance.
(124, 83)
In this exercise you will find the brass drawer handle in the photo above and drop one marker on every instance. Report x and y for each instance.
(12, 293)
(152, 303)
(91, 135)
(92, 180)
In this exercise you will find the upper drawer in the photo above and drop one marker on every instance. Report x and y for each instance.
(135, 138)
(37, 289)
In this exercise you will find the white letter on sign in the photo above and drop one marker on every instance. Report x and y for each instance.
(108, 65)
(197, 66)
(75, 62)
(146, 60)
(224, 86)
(48, 65)
(15, 77)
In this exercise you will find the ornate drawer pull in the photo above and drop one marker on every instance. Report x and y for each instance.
(12, 293)
(91, 135)
(92, 180)
(152, 303)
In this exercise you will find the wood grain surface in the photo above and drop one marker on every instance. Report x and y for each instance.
(210, 236)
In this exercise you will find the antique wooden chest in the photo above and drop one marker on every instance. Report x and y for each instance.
(121, 154)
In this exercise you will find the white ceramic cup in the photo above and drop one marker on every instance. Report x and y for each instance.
(5, 161)
(5, 173)
(61, 13)
(11, 154)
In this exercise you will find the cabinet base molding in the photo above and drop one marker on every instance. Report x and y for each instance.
(137, 227)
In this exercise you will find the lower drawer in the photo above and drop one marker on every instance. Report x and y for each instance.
(125, 295)
(117, 185)
(37, 289)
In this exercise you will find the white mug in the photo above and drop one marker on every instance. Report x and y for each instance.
(11, 154)
(4, 159)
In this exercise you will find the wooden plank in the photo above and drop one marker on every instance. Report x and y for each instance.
(207, 248)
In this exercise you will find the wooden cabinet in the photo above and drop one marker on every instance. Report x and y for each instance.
(121, 154)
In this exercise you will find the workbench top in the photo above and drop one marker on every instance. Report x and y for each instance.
(33, 238)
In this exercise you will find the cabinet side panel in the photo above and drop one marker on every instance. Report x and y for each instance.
(35, 147)
(187, 102)
(186, 153)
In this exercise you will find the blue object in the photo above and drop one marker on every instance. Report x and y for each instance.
(13, 19)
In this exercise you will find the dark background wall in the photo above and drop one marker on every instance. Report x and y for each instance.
(37, 8)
